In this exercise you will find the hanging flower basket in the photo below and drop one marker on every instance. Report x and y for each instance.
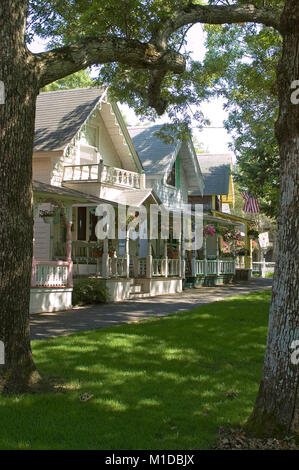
(209, 230)
(47, 216)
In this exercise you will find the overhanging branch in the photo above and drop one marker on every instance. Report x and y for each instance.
(58, 63)
(217, 14)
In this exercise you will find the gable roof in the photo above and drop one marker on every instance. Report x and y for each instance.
(158, 156)
(154, 153)
(137, 197)
(216, 171)
(60, 114)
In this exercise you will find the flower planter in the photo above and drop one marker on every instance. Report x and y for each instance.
(97, 253)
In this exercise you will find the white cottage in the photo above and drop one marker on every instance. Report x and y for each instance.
(85, 156)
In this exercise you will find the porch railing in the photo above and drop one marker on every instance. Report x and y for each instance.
(213, 267)
(117, 267)
(262, 267)
(51, 274)
(142, 267)
(173, 267)
(158, 267)
(226, 267)
(104, 174)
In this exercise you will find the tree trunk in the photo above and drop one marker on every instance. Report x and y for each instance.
(276, 410)
(17, 116)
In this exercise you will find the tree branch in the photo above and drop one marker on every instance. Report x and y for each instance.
(155, 99)
(58, 63)
(218, 14)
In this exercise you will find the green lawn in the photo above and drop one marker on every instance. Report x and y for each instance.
(165, 383)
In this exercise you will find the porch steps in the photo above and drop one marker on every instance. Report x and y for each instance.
(136, 291)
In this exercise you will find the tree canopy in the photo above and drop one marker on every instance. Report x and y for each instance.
(241, 62)
(240, 65)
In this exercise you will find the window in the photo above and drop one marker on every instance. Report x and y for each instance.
(93, 219)
(81, 223)
(171, 179)
(89, 136)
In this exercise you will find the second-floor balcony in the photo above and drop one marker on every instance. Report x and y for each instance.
(103, 174)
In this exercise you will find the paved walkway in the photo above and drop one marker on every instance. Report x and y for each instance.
(47, 325)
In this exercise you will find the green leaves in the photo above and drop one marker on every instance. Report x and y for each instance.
(242, 61)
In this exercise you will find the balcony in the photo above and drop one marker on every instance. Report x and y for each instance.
(103, 174)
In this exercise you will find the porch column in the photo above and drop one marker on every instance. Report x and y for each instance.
(165, 259)
(234, 255)
(248, 247)
(105, 259)
(69, 224)
(217, 254)
(149, 260)
(193, 264)
(127, 255)
(142, 180)
(205, 264)
(182, 264)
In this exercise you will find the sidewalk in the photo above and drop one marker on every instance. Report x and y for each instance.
(47, 325)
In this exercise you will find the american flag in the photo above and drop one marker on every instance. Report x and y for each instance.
(251, 205)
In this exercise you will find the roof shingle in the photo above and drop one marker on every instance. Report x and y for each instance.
(216, 170)
(60, 114)
(154, 153)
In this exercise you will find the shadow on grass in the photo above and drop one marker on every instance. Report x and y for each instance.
(165, 383)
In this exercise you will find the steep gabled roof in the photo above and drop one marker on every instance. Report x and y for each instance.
(216, 171)
(154, 153)
(60, 114)
(137, 197)
(157, 156)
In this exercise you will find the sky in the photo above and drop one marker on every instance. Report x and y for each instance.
(214, 139)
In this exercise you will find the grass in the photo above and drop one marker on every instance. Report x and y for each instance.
(165, 383)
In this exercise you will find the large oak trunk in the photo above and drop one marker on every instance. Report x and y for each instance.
(16, 222)
(276, 410)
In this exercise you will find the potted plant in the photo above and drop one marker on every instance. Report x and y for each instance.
(209, 230)
(47, 216)
(97, 252)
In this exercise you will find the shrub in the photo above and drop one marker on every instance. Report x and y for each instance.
(89, 291)
(269, 274)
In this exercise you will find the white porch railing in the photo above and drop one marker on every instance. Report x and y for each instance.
(141, 267)
(173, 267)
(240, 262)
(158, 267)
(51, 274)
(198, 267)
(118, 267)
(121, 177)
(262, 267)
(103, 174)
